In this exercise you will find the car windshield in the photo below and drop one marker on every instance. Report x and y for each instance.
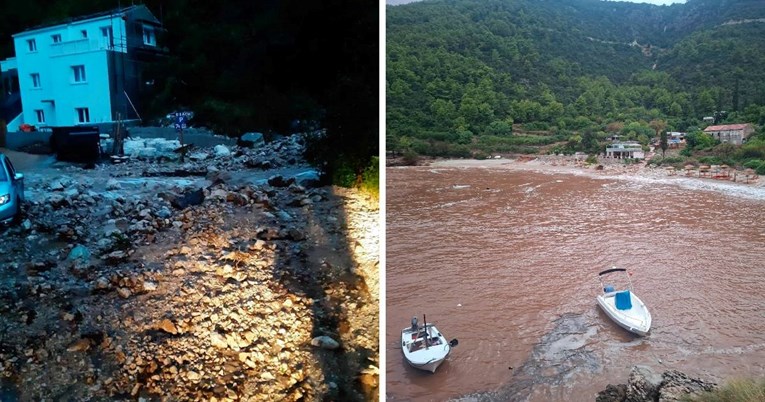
(3, 175)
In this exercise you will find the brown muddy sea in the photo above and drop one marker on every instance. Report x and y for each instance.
(506, 260)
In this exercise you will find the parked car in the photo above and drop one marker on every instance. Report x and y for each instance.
(11, 191)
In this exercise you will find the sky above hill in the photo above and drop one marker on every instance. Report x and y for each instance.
(657, 2)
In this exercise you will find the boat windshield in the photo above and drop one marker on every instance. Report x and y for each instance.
(421, 344)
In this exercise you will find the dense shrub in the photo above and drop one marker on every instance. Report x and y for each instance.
(753, 164)
(370, 179)
(536, 126)
(668, 161)
(411, 158)
(710, 160)
(500, 127)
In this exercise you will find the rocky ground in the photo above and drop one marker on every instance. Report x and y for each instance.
(230, 277)
(644, 385)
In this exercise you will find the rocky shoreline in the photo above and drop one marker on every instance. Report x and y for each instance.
(230, 277)
(645, 385)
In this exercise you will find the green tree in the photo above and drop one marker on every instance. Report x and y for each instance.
(663, 142)
(500, 127)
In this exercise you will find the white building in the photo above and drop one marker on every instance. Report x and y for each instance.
(625, 150)
(86, 70)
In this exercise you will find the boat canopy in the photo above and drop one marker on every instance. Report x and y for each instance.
(608, 271)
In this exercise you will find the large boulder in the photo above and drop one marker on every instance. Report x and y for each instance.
(308, 179)
(195, 197)
(612, 393)
(677, 386)
(221, 151)
(251, 140)
(643, 384)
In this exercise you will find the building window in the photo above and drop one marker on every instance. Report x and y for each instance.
(40, 116)
(148, 36)
(106, 33)
(32, 44)
(83, 115)
(56, 38)
(79, 73)
(84, 34)
(35, 80)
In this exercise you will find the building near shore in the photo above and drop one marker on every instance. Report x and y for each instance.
(735, 134)
(625, 150)
(85, 70)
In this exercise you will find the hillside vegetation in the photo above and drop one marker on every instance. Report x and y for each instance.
(463, 76)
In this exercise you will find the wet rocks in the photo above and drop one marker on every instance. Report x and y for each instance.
(676, 386)
(280, 181)
(195, 197)
(251, 139)
(201, 287)
(644, 385)
(612, 393)
(221, 150)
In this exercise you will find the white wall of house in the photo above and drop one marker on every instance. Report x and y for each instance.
(50, 87)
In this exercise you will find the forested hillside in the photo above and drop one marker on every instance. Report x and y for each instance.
(255, 66)
(462, 74)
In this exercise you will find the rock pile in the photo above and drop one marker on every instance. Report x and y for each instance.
(191, 282)
(644, 385)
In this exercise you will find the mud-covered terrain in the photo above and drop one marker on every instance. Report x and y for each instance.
(232, 276)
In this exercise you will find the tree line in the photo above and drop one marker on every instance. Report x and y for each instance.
(461, 74)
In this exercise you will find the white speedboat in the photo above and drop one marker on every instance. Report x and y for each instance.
(623, 306)
(424, 346)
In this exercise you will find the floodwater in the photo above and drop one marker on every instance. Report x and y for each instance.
(506, 261)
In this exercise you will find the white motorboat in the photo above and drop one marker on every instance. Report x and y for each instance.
(424, 346)
(623, 306)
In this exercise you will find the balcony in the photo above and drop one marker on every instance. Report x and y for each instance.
(82, 46)
(8, 64)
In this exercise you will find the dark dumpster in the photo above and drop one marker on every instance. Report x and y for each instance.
(76, 143)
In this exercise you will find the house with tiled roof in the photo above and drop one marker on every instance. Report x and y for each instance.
(734, 134)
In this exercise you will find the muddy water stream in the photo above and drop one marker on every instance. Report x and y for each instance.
(507, 261)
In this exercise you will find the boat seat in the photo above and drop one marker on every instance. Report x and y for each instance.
(623, 300)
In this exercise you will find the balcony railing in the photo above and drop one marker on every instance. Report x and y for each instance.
(84, 45)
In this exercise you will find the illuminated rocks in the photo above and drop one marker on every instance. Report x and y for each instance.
(219, 298)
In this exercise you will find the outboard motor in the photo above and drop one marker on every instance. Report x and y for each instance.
(414, 323)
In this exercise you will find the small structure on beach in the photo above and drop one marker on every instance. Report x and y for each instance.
(625, 150)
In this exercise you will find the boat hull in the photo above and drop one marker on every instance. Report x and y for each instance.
(421, 353)
(431, 366)
(636, 319)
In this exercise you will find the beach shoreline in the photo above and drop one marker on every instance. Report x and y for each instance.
(604, 168)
